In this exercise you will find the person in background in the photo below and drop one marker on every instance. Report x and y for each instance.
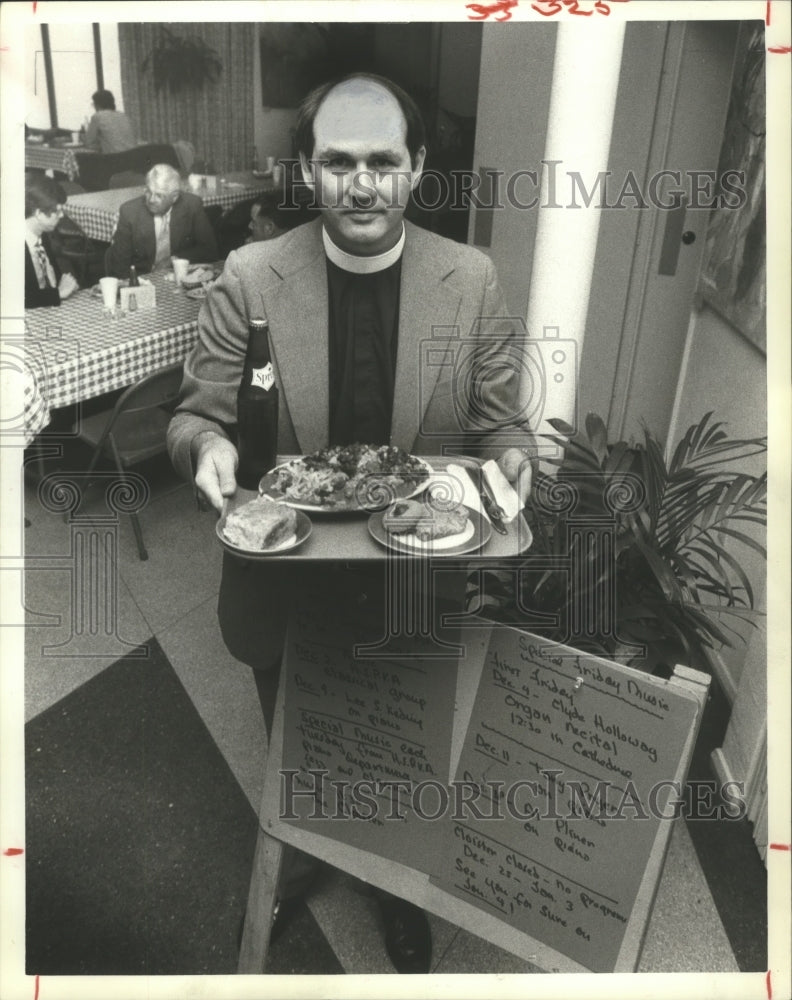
(109, 131)
(45, 284)
(162, 222)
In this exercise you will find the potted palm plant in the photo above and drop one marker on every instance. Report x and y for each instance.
(636, 557)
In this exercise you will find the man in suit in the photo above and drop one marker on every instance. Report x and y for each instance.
(352, 299)
(45, 284)
(163, 222)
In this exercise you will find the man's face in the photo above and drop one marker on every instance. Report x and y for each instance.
(261, 226)
(361, 167)
(160, 195)
(48, 221)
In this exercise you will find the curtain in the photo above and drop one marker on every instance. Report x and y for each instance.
(217, 118)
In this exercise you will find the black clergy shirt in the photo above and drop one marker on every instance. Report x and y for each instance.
(363, 333)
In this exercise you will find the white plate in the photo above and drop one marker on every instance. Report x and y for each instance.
(477, 533)
(197, 276)
(198, 293)
(266, 488)
(304, 528)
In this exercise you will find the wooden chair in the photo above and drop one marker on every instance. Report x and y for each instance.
(134, 429)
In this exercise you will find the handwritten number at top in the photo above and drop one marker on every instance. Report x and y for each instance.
(548, 8)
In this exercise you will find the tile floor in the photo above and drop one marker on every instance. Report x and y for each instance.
(172, 596)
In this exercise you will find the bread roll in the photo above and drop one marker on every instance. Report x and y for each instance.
(260, 524)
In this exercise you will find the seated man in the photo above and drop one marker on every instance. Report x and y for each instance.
(45, 285)
(163, 222)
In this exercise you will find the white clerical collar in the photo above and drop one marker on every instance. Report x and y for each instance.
(362, 265)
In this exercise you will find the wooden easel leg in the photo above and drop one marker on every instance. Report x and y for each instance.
(264, 881)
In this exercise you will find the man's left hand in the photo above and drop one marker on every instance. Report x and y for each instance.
(516, 467)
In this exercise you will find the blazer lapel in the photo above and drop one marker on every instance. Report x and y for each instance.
(297, 310)
(428, 309)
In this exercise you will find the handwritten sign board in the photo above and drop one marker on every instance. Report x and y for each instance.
(572, 757)
(561, 779)
(361, 732)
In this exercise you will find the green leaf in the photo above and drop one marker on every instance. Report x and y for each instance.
(597, 435)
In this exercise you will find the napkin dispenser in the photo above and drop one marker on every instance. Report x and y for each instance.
(139, 298)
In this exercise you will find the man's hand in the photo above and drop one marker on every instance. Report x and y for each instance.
(67, 285)
(215, 461)
(516, 467)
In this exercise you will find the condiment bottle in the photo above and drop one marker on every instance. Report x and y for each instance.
(257, 409)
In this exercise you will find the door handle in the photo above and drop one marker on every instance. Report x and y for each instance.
(673, 237)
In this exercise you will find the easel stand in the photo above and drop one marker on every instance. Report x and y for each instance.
(660, 717)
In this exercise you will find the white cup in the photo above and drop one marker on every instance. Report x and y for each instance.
(180, 265)
(270, 164)
(109, 287)
(75, 137)
(277, 173)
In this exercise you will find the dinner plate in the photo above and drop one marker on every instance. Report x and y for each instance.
(197, 276)
(301, 534)
(379, 498)
(198, 293)
(476, 534)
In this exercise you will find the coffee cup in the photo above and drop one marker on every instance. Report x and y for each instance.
(180, 266)
(76, 138)
(277, 173)
(109, 288)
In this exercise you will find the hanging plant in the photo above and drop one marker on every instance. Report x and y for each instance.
(180, 64)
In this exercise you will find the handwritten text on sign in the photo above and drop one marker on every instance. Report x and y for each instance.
(377, 728)
(579, 747)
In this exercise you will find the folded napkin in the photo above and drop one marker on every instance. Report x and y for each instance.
(458, 484)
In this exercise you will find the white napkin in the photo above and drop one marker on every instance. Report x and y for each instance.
(502, 490)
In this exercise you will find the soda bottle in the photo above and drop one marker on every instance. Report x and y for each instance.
(134, 281)
(257, 409)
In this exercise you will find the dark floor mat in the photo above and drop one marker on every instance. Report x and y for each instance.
(139, 839)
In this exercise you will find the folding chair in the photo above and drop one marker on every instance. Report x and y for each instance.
(135, 428)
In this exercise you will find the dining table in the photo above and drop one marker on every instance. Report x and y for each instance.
(97, 211)
(61, 157)
(77, 351)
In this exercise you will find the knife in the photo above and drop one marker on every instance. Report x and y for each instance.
(494, 510)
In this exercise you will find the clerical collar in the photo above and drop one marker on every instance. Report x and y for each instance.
(362, 265)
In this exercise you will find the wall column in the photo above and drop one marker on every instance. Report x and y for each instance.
(586, 73)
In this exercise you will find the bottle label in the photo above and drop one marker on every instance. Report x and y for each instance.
(264, 377)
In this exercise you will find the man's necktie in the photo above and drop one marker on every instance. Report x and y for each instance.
(163, 251)
(44, 264)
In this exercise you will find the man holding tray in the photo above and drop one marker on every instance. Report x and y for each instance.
(381, 333)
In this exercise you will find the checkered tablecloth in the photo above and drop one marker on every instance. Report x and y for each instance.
(53, 158)
(74, 352)
(97, 211)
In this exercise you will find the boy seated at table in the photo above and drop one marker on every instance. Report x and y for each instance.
(46, 283)
(162, 222)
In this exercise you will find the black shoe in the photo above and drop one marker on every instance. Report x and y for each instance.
(408, 938)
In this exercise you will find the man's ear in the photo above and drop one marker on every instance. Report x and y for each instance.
(420, 156)
(307, 171)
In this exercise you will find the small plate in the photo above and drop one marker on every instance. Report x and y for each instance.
(198, 293)
(197, 276)
(477, 533)
(304, 528)
(266, 489)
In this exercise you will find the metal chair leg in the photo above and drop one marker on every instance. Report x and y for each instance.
(142, 553)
